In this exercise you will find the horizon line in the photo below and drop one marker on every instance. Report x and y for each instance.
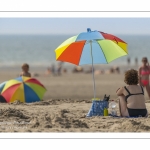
(66, 34)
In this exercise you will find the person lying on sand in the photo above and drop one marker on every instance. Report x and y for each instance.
(131, 97)
(25, 69)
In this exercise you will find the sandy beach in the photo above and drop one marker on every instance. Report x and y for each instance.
(65, 105)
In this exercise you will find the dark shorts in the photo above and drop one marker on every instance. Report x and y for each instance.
(137, 112)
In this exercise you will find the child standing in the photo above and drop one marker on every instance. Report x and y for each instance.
(25, 69)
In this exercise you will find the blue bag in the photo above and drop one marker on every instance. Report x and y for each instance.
(97, 108)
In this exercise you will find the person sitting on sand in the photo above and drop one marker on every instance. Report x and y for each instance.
(98, 72)
(25, 69)
(131, 97)
(48, 71)
(110, 71)
(77, 69)
(117, 69)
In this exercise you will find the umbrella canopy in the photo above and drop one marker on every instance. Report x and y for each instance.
(24, 89)
(91, 47)
(103, 47)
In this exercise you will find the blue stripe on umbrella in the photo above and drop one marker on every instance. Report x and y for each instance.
(2, 86)
(19, 79)
(98, 55)
(93, 35)
(30, 95)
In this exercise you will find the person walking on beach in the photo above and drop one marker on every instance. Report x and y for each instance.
(131, 97)
(59, 68)
(53, 70)
(144, 72)
(25, 69)
(136, 61)
(128, 61)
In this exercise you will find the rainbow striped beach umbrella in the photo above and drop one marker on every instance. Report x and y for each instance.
(91, 47)
(24, 89)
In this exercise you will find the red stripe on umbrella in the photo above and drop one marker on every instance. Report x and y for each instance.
(111, 37)
(7, 94)
(34, 81)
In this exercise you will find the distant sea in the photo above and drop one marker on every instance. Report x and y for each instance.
(38, 50)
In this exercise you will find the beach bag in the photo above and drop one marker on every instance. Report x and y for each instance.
(97, 108)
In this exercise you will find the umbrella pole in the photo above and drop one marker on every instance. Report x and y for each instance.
(93, 71)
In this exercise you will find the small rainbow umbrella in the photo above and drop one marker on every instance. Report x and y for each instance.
(24, 89)
(91, 47)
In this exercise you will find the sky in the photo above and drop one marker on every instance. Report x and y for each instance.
(74, 25)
